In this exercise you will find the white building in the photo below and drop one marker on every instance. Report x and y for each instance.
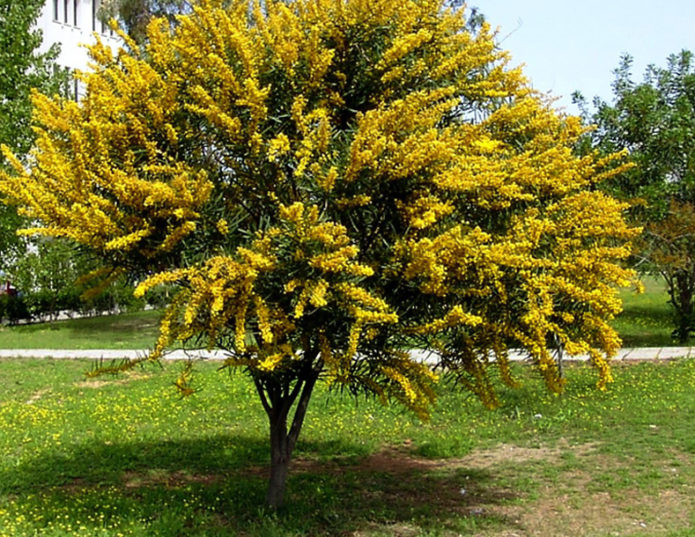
(72, 23)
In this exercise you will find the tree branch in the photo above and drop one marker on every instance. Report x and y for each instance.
(300, 412)
(261, 393)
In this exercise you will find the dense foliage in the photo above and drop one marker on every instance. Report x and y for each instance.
(47, 279)
(135, 15)
(655, 121)
(22, 68)
(330, 183)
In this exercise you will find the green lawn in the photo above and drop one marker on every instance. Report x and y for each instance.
(137, 330)
(647, 318)
(129, 457)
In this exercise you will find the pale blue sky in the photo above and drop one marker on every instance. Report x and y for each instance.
(573, 45)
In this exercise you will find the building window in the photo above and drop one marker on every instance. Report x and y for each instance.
(76, 90)
(55, 10)
(66, 4)
(75, 11)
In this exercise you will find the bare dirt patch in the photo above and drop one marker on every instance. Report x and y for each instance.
(582, 514)
(36, 396)
(146, 479)
(505, 453)
(122, 378)
(482, 485)
(571, 505)
(166, 478)
(93, 384)
(400, 460)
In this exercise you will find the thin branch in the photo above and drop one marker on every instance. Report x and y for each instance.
(293, 394)
(308, 373)
(300, 412)
(261, 393)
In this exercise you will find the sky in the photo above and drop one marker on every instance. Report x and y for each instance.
(572, 45)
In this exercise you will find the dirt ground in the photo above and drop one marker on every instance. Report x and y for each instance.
(570, 504)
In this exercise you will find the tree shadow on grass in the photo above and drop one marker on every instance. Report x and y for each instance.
(216, 486)
(105, 463)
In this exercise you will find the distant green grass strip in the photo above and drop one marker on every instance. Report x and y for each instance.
(137, 330)
(647, 318)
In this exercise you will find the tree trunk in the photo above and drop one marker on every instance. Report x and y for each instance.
(279, 463)
(683, 301)
(278, 401)
(557, 343)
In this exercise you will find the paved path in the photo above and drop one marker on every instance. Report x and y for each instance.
(644, 353)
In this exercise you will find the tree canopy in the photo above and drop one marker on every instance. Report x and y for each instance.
(135, 15)
(330, 183)
(22, 68)
(655, 122)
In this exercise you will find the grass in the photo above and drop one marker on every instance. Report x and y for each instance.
(129, 457)
(137, 330)
(647, 318)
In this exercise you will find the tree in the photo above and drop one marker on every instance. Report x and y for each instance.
(135, 15)
(330, 183)
(46, 278)
(21, 69)
(655, 122)
(49, 279)
(11, 246)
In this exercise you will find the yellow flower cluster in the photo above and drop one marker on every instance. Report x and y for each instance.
(105, 183)
(226, 292)
(559, 253)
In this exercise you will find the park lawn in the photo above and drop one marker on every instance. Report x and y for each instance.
(647, 318)
(135, 330)
(126, 456)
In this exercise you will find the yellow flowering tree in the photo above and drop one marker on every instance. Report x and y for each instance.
(329, 183)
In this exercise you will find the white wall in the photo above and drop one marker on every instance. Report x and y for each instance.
(62, 29)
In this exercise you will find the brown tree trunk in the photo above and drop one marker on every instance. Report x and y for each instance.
(682, 298)
(279, 463)
(278, 401)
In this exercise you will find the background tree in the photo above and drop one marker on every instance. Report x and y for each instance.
(135, 15)
(329, 183)
(655, 122)
(21, 69)
(46, 277)
(49, 276)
